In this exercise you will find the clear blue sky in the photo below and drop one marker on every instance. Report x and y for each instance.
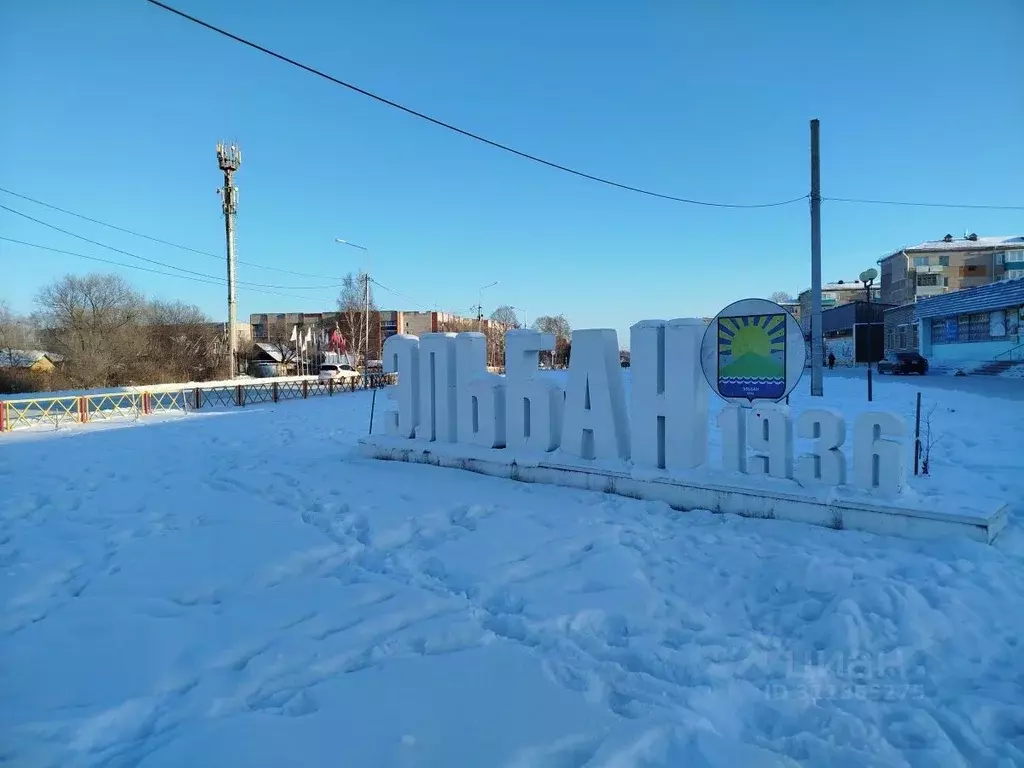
(112, 109)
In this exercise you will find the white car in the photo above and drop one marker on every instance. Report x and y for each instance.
(336, 372)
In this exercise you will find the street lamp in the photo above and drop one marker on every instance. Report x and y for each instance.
(480, 304)
(526, 316)
(366, 300)
(868, 277)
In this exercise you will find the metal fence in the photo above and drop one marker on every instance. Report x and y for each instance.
(25, 412)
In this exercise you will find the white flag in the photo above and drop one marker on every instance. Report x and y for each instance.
(309, 336)
(295, 331)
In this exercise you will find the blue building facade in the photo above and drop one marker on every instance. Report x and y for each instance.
(973, 325)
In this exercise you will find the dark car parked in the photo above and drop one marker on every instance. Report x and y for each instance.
(903, 363)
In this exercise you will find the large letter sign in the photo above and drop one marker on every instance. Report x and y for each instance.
(402, 356)
(596, 425)
(481, 396)
(669, 397)
(533, 406)
(826, 464)
(649, 439)
(437, 387)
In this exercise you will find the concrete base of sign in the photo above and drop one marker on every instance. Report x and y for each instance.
(758, 497)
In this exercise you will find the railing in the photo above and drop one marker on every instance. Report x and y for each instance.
(20, 413)
(1014, 353)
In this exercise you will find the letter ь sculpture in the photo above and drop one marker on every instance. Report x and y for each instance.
(651, 439)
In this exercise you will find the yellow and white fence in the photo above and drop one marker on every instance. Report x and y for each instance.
(139, 402)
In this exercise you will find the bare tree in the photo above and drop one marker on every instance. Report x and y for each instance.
(351, 309)
(559, 326)
(928, 440)
(503, 319)
(16, 334)
(556, 324)
(94, 323)
(781, 297)
(182, 344)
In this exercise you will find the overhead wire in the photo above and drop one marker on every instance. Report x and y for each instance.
(161, 241)
(209, 279)
(186, 273)
(199, 276)
(462, 131)
(399, 295)
(534, 158)
(155, 261)
(973, 206)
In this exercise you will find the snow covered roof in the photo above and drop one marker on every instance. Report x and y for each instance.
(984, 298)
(274, 352)
(25, 358)
(990, 243)
(844, 285)
(963, 244)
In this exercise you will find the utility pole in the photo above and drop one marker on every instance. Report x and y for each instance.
(366, 321)
(229, 158)
(816, 342)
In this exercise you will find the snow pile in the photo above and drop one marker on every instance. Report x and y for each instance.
(236, 588)
(1016, 372)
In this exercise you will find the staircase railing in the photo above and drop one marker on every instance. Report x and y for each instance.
(1014, 353)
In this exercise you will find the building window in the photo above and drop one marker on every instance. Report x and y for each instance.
(920, 261)
(902, 337)
(928, 279)
(997, 324)
(979, 327)
(1000, 258)
(944, 261)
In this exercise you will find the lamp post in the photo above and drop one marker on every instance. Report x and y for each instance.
(526, 316)
(480, 304)
(366, 301)
(868, 277)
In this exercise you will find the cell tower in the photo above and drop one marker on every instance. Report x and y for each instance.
(229, 159)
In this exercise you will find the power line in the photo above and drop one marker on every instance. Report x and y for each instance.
(209, 279)
(924, 205)
(162, 242)
(534, 158)
(201, 277)
(399, 295)
(160, 263)
(462, 131)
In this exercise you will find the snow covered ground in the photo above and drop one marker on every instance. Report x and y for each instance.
(237, 589)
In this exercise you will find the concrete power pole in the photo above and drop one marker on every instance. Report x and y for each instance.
(366, 322)
(816, 334)
(229, 158)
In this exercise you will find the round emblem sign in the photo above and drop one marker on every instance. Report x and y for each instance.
(753, 350)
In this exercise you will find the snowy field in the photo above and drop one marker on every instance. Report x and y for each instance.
(236, 589)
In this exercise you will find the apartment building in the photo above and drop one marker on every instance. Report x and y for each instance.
(936, 267)
(793, 307)
(832, 295)
(419, 323)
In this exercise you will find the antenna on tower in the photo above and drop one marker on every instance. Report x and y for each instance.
(229, 160)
